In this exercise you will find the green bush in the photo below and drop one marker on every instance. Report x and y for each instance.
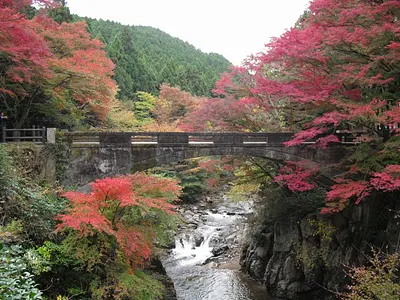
(192, 179)
(15, 281)
(23, 199)
(6, 181)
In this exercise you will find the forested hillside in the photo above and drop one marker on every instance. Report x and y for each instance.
(147, 57)
(77, 69)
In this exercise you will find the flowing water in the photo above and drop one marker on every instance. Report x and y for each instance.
(204, 264)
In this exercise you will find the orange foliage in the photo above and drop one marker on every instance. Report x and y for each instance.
(172, 106)
(61, 62)
(160, 127)
(79, 64)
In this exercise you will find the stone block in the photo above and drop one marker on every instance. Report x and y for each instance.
(51, 135)
(228, 139)
(115, 140)
(173, 139)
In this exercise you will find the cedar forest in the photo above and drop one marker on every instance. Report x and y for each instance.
(337, 68)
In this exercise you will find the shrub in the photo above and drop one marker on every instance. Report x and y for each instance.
(377, 280)
(15, 281)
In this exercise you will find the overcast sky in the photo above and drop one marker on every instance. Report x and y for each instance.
(233, 28)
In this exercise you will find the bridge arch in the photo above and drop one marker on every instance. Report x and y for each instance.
(98, 155)
(159, 156)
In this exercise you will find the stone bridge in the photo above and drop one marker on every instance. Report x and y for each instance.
(100, 154)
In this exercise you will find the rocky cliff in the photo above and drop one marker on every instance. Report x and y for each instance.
(306, 258)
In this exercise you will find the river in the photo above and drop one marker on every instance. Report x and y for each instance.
(205, 261)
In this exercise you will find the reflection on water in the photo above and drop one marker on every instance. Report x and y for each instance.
(194, 280)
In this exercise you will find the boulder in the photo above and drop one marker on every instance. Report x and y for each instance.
(217, 251)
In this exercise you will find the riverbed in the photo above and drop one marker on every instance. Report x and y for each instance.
(205, 261)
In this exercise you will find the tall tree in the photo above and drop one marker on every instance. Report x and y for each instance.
(338, 69)
(50, 70)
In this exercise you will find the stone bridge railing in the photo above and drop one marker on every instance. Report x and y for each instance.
(129, 139)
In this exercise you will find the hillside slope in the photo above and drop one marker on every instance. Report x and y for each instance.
(146, 57)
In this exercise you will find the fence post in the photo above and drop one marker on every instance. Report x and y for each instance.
(34, 133)
(44, 135)
(3, 134)
(51, 135)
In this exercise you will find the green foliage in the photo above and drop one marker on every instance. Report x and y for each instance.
(193, 185)
(374, 156)
(55, 254)
(15, 281)
(127, 285)
(58, 264)
(281, 204)
(146, 57)
(142, 286)
(192, 178)
(143, 107)
(121, 116)
(242, 190)
(60, 14)
(24, 200)
(11, 231)
(91, 251)
(41, 207)
(49, 257)
(252, 176)
(322, 229)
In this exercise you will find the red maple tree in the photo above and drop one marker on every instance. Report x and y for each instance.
(117, 207)
(337, 69)
(46, 64)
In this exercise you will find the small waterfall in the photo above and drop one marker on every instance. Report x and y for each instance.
(199, 263)
(194, 249)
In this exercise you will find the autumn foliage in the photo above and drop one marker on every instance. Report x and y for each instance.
(51, 69)
(118, 208)
(296, 177)
(171, 107)
(337, 69)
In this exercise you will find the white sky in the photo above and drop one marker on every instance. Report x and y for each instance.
(235, 28)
